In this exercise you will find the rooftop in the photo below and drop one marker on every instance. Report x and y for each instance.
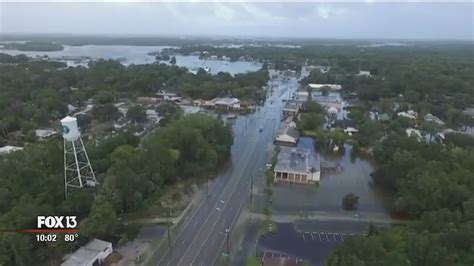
(290, 105)
(87, 253)
(7, 149)
(297, 160)
(290, 131)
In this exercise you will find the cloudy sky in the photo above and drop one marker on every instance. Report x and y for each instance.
(369, 19)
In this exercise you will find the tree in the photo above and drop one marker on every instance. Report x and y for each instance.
(137, 114)
(349, 202)
(311, 121)
(169, 111)
(105, 112)
(173, 60)
(102, 221)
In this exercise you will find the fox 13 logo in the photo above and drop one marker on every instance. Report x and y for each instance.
(56, 222)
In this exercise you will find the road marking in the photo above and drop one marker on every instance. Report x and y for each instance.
(187, 220)
(231, 225)
(312, 238)
(326, 237)
(227, 186)
(333, 236)
(319, 237)
(303, 237)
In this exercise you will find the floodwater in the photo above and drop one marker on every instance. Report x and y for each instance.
(353, 177)
(128, 55)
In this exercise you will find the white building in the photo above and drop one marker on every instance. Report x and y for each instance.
(431, 118)
(364, 73)
(316, 86)
(287, 136)
(8, 149)
(408, 114)
(228, 103)
(411, 132)
(43, 134)
(92, 254)
(297, 165)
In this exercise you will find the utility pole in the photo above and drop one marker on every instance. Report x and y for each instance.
(168, 229)
(227, 231)
(251, 189)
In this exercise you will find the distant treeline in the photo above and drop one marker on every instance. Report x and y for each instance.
(34, 46)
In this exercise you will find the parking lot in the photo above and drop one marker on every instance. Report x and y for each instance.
(302, 245)
(324, 236)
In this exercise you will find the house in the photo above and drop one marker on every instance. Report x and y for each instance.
(291, 108)
(71, 108)
(148, 100)
(92, 254)
(8, 149)
(297, 165)
(383, 117)
(287, 136)
(334, 87)
(345, 124)
(333, 111)
(350, 130)
(411, 132)
(431, 118)
(408, 114)
(364, 73)
(152, 115)
(43, 134)
(227, 103)
(166, 95)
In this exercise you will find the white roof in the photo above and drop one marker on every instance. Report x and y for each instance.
(8, 149)
(333, 109)
(88, 253)
(68, 119)
(45, 133)
(319, 86)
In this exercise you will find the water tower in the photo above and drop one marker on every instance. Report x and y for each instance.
(78, 171)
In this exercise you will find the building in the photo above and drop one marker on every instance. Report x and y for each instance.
(364, 73)
(431, 118)
(411, 132)
(291, 108)
(43, 134)
(408, 114)
(297, 165)
(287, 136)
(92, 254)
(148, 100)
(334, 87)
(8, 149)
(227, 103)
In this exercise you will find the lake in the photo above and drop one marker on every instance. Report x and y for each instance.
(128, 55)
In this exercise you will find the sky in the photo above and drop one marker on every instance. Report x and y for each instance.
(348, 20)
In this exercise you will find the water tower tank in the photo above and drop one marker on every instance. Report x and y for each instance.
(70, 129)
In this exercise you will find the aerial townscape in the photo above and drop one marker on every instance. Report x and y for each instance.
(244, 134)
